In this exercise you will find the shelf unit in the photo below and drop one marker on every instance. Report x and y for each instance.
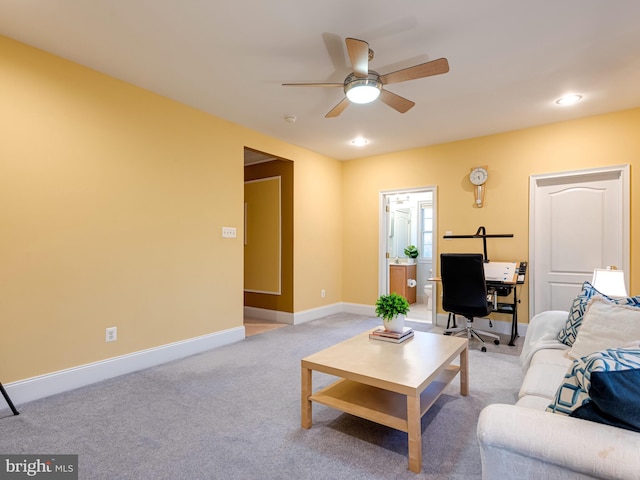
(379, 405)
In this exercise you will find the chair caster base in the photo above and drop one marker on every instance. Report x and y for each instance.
(483, 349)
(497, 342)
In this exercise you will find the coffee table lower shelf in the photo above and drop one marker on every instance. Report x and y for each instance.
(379, 405)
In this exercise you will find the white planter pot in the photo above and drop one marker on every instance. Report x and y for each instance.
(396, 324)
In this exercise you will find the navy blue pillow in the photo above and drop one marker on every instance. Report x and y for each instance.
(615, 399)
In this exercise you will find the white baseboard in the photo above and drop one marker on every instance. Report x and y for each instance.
(359, 309)
(269, 315)
(315, 313)
(499, 326)
(308, 315)
(43, 386)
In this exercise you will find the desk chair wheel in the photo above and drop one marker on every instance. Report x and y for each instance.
(497, 342)
(483, 349)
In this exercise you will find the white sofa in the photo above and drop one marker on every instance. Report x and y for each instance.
(523, 441)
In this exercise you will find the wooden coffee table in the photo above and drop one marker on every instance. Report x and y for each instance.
(387, 383)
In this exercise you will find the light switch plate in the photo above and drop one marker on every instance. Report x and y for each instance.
(228, 232)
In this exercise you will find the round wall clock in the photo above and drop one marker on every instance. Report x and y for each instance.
(478, 175)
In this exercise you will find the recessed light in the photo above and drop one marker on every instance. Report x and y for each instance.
(359, 141)
(570, 99)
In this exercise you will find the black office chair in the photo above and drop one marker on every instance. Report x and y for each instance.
(464, 292)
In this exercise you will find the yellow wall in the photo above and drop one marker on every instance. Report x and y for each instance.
(511, 158)
(318, 238)
(112, 201)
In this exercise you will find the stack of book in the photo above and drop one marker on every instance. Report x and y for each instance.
(385, 335)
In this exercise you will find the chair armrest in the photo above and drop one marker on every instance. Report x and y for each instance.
(524, 443)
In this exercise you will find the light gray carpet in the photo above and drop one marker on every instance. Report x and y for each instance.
(234, 413)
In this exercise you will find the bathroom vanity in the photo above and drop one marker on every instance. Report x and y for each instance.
(399, 276)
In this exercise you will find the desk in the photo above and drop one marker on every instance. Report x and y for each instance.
(499, 289)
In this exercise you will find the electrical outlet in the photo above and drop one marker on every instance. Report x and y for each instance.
(323, 293)
(112, 334)
(228, 232)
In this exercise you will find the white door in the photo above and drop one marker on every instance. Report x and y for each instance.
(579, 221)
(400, 234)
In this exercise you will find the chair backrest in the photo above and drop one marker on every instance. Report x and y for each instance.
(464, 291)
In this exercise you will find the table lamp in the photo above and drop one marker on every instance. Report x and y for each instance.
(609, 281)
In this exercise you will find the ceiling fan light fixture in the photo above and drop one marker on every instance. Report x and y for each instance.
(362, 90)
(364, 85)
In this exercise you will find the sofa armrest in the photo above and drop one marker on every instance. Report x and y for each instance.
(545, 324)
(542, 332)
(523, 443)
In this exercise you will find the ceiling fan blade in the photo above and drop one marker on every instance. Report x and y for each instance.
(338, 109)
(435, 67)
(359, 55)
(313, 84)
(397, 102)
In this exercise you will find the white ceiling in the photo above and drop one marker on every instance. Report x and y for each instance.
(509, 60)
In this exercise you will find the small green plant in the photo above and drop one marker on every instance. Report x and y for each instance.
(411, 251)
(389, 306)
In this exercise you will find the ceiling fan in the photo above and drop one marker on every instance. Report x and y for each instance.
(364, 85)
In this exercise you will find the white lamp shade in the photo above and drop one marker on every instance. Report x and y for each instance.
(609, 282)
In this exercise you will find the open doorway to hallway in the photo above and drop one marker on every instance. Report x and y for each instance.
(268, 240)
(408, 217)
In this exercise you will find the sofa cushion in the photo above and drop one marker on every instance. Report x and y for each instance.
(546, 371)
(574, 390)
(569, 333)
(605, 325)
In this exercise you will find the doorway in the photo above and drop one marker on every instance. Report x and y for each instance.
(268, 241)
(408, 217)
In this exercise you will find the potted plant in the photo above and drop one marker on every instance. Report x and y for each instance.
(392, 309)
(411, 252)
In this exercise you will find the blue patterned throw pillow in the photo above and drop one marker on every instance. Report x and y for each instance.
(568, 334)
(573, 393)
(614, 399)
(570, 395)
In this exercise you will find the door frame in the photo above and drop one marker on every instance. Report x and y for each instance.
(383, 271)
(534, 184)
